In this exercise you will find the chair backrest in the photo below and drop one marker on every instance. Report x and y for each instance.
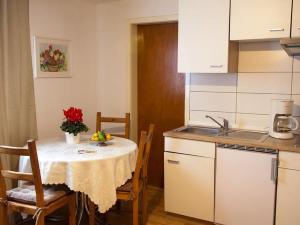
(125, 120)
(143, 156)
(34, 177)
(148, 150)
(139, 162)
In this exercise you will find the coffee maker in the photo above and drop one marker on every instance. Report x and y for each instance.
(282, 122)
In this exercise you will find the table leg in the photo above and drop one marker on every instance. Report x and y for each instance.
(91, 212)
(80, 203)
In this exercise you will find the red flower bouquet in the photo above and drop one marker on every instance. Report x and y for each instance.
(73, 122)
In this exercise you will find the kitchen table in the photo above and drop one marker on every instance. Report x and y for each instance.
(88, 168)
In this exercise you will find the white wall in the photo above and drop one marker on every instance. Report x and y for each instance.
(114, 36)
(117, 51)
(73, 20)
(265, 72)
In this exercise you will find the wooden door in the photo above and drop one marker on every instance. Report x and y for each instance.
(160, 89)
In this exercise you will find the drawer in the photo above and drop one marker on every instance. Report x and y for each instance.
(289, 160)
(190, 147)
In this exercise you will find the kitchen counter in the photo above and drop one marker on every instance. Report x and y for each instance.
(292, 145)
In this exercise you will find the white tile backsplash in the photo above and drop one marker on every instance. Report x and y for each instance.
(213, 101)
(214, 82)
(296, 83)
(257, 103)
(266, 72)
(253, 121)
(198, 117)
(264, 57)
(296, 66)
(296, 99)
(265, 83)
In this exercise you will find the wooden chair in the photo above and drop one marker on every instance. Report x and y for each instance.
(138, 184)
(126, 121)
(32, 198)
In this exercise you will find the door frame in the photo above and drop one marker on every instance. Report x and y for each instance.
(133, 73)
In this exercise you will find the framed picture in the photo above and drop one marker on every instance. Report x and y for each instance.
(52, 57)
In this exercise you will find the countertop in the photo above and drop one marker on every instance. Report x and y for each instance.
(291, 145)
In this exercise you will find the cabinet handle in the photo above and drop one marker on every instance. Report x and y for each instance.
(274, 169)
(276, 29)
(173, 161)
(216, 66)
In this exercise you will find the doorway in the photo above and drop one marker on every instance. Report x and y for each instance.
(161, 90)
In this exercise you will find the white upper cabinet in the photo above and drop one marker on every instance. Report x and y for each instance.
(260, 19)
(296, 19)
(203, 41)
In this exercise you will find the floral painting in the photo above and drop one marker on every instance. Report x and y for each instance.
(52, 57)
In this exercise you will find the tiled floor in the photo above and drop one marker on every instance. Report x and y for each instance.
(157, 216)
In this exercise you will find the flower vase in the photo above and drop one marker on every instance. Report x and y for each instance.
(72, 139)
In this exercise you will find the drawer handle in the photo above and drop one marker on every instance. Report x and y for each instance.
(173, 161)
(276, 29)
(216, 66)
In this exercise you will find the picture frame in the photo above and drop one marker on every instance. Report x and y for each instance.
(52, 58)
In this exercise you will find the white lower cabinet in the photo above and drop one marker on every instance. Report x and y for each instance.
(189, 182)
(288, 190)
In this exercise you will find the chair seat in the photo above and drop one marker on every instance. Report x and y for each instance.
(26, 193)
(127, 187)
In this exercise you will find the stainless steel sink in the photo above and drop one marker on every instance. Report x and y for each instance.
(232, 133)
(246, 135)
(201, 130)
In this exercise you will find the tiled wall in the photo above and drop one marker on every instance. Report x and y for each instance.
(265, 72)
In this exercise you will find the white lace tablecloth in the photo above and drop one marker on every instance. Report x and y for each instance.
(97, 174)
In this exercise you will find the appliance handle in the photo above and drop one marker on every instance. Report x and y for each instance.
(295, 122)
(173, 161)
(274, 169)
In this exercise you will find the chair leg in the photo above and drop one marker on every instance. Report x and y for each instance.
(3, 215)
(144, 206)
(118, 205)
(92, 212)
(135, 211)
(41, 219)
(72, 209)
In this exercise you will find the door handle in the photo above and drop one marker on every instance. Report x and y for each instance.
(274, 169)
(173, 161)
(276, 29)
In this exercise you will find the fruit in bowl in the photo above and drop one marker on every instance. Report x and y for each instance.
(101, 137)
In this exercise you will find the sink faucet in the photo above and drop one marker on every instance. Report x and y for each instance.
(224, 127)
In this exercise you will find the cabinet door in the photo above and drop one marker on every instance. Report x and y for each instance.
(260, 19)
(203, 36)
(189, 185)
(288, 197)
(296, 19)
